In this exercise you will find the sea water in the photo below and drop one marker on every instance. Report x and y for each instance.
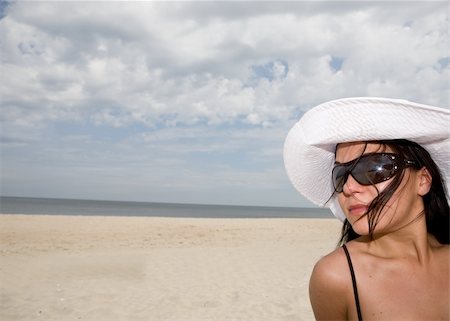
(24, 205)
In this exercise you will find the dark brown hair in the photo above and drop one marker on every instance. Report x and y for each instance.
(435, 201)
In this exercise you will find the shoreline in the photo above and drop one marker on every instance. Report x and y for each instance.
(150, 268)
(45, 206)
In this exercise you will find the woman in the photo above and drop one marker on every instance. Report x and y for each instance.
(381, 166)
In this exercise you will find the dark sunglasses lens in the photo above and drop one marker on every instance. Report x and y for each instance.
(375, 168)
(370, 169)
(339, 177)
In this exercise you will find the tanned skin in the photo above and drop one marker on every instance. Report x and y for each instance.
(402, 272)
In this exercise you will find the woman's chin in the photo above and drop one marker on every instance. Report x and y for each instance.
(361, 227)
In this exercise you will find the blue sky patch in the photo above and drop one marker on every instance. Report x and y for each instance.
(270, 70)
(336, 63)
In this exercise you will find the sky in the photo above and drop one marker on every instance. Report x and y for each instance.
(190, 102)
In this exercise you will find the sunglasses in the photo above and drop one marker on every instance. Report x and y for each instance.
(369, 169)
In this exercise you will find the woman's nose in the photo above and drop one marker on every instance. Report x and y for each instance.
(351, 186)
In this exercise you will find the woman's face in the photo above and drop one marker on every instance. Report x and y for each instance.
(404, 205)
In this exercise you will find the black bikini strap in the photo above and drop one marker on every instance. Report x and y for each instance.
(355, 289)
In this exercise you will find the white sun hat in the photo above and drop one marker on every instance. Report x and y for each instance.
(310, 144)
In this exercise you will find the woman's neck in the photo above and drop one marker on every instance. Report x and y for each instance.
(411, 241)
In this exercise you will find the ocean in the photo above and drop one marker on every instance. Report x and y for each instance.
(26, 205)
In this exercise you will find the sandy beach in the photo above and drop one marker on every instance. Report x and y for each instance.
(159, 269)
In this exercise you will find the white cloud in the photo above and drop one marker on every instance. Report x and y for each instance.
(170, 63)
(201, 80)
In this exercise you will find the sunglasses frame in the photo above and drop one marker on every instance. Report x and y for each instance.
(398, 163)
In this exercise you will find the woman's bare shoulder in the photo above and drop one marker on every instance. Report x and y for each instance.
(329, 285)
(330, 267)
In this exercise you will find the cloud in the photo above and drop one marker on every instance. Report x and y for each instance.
(196, 62)
(186, 89)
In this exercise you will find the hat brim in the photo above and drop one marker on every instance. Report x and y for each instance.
(310, 144)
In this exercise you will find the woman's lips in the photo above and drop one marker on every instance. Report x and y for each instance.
(358, 209)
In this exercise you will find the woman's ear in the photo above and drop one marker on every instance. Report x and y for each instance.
(424, 181)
